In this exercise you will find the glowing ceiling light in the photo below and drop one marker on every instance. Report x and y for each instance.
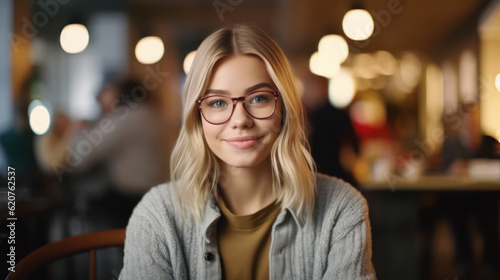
(358, 24)
(334, 46)
(74, 38)
(188, 61)
(341, 89)
(39, 119)
(149, 50)
(322, 65)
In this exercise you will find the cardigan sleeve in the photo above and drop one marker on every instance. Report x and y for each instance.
(350, 248)
(146, 253)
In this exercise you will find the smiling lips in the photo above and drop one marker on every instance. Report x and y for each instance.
(242, 142)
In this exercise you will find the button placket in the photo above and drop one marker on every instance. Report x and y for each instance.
(211, 261)
(208, 256)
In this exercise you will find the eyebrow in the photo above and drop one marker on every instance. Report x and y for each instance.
(247, 90)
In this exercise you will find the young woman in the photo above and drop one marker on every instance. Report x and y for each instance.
(244, 201)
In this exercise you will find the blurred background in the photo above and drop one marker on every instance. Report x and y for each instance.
(403, 101)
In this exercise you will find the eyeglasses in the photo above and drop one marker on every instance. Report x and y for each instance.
(217, 109)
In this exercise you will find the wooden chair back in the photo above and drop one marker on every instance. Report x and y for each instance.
(69, 246)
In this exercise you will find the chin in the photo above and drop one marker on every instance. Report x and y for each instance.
(242, 162)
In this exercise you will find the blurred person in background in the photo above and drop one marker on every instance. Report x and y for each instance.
(127, 144)
(51, 146)
(450, 205)
(333, 139)
(104, 168)
(482, 207)
(475, 207)
(489, 148)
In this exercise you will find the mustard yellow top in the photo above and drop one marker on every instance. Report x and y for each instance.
(244, 242)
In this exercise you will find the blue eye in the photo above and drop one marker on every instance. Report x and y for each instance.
(259, 99)
(217, 103)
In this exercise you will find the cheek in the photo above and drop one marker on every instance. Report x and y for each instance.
(210, 132)
(206, 131)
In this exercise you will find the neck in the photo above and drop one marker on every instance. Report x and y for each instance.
(246, 190)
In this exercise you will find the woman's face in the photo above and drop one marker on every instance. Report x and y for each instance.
(242, 141)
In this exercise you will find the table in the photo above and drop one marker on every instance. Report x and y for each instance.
(432, 183)
(396, 217)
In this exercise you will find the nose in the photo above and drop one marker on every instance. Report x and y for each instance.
(240, 117)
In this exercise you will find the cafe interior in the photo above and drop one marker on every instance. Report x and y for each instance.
(402, 100)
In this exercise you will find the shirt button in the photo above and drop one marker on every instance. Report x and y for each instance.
(209, 256)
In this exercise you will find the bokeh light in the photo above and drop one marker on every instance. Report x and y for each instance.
(334, 46)
(322, 65)
(341, 89)
(149, 50)
(369, 110)
(39, 119)
(400, 84)
(363, 66)
(467, 78)
(74, 38)
(358, 24)
(410, 67)
(385, 63)
(34, 103)
(188, 60)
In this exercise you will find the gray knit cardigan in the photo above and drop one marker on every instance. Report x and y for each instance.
(334, 244)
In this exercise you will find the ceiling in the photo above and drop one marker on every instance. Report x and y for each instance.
(297, 25)
(420, 25)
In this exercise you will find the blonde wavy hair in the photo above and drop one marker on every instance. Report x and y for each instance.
(194, 169)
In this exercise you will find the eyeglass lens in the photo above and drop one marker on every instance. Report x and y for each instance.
(218, 109)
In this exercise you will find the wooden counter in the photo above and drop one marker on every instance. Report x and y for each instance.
(432, 183)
